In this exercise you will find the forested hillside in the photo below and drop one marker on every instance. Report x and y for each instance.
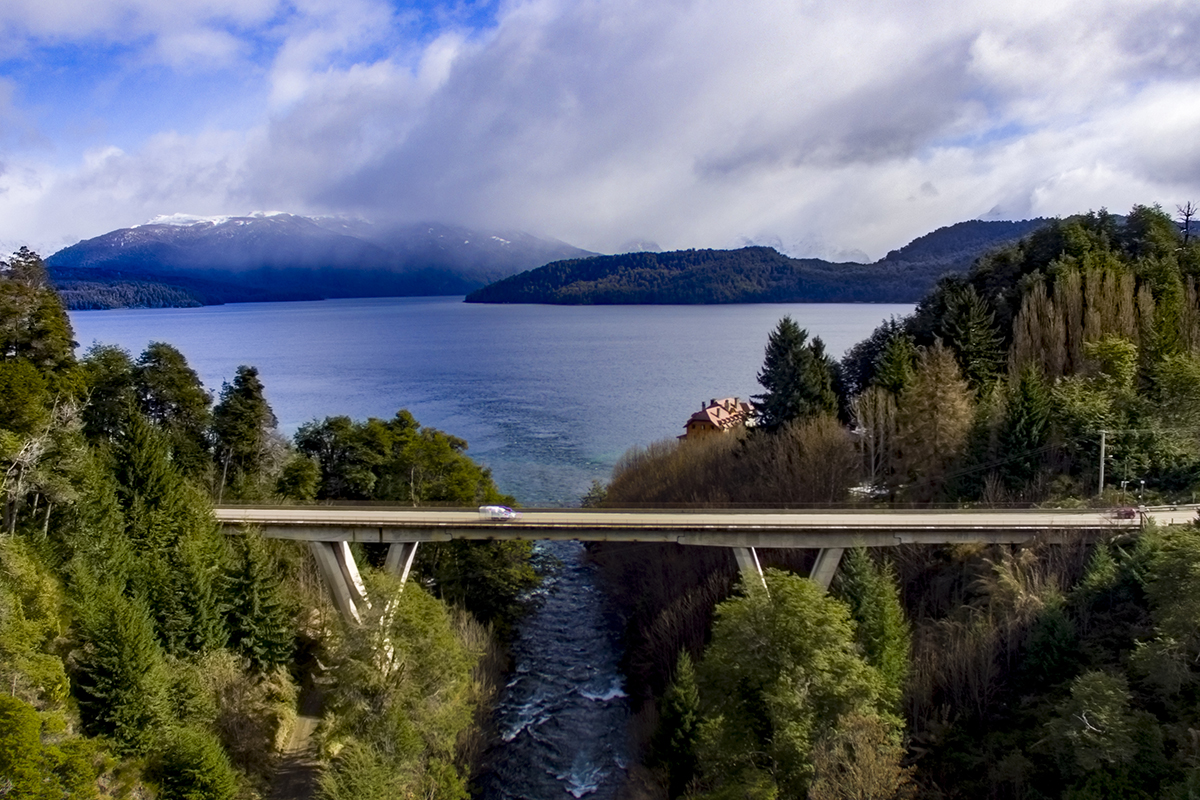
(188, 261)
(754, 274)
(1043, 671)
(145, 653)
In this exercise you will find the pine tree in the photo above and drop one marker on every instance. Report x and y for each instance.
(796, 377)
(120, 685)
(1026, 430)
(969, 328)
(260, 620)
(192, 766)
(896, 364)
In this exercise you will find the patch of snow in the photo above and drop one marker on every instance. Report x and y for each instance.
(187, 220)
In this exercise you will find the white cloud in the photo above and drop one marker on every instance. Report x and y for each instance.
(822, 125)
(121, 20)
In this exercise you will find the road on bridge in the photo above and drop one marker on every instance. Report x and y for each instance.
(827, 528)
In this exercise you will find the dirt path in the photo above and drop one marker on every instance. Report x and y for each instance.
(296, 777)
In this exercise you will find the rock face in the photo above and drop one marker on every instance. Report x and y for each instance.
(185, 260)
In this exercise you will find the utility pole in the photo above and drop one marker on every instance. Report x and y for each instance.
(1100, 491)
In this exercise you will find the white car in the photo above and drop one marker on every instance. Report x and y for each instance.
(498, 513)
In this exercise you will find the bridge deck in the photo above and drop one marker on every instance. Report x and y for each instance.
(821, 529)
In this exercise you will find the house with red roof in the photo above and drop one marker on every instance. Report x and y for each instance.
(717, 416)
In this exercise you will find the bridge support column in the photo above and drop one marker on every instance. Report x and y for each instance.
(825, 567)
(340, 572)
(747, 561)
(399, 559)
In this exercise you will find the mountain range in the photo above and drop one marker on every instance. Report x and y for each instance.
(189, 261)
(756, 274)
(183, 260)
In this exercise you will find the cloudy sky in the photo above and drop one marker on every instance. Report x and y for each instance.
(824, 127)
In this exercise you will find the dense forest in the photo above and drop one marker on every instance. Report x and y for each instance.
(136, 286)
(144, 653)
(1039, 671)
(754, 274)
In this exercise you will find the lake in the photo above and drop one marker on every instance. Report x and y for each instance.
(548, 397)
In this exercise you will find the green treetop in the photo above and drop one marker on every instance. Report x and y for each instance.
(796, 377)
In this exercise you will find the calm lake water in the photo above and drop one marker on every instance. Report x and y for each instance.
(549, 397)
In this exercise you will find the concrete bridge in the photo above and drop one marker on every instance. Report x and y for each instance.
(329, 530)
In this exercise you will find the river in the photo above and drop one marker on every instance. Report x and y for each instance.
(548, 397)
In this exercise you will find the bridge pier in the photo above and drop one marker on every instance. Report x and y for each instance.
(747, 561)
(399, 559)
(825, 567)
(338, 568)
(336, 562)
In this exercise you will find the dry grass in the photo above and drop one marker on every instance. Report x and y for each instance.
(972, 609)
(486, 679)
(807, 463)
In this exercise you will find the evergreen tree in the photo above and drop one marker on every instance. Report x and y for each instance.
(24, 399)
(198, 561)
(242, 422)
(260, 619)
(674, 747)
(171, 396)
(486, 578)
(23, 768)
(192, 766)
(120, 684)
(969, 329)
(796, 377)
(1025, 430)
(861, 363)
(33, 324)
(896, 364)
(111, 396)
(300, 479)
(169, 527)
(882, 630)
(782, 671)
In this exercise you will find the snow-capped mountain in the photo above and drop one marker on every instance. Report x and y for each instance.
(289, 255)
